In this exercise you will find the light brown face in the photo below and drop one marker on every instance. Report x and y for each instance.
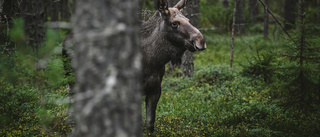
(181, 33)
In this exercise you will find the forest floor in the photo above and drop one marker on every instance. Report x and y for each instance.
(217, 101)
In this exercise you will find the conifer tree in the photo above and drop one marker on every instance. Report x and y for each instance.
(301, 88)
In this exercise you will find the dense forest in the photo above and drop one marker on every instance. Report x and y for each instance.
(259, 74)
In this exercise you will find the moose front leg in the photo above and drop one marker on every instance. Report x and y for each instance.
(152, 99)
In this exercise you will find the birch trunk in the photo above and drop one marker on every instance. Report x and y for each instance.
(108, 69)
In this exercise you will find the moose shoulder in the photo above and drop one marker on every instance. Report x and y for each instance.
(164, 37)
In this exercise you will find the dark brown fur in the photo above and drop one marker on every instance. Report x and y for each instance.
(162, 41)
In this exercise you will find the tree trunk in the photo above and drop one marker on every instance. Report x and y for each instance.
(239, 26)
(253, 10)
(289, 14)
(302, 41)
(318, 11)
(266, 20)
(34, 22)
(2, 29)
(225, 4)
(301, 11)
(108, 68)
(192, 11)
(1, 3)
(9, 10)
(232, 33)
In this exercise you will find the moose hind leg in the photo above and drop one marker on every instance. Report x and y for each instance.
(151, 106)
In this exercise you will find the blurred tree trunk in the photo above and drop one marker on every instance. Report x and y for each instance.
(301, 53)
(33, 14)
(192, 12)
(225, 4)
(1, 3)
(239, 26)
(266, 20)
(289, 14)
(9, 10)
(108, 68)
(253, 9)
(2, 24)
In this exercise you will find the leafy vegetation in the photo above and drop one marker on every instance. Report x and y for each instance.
(33, 102)
(243, 101)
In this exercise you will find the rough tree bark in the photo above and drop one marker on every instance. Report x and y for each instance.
(289, 14)
(239, 26)
(266, 20)
(108, 68)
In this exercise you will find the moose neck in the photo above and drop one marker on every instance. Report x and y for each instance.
(156, 48)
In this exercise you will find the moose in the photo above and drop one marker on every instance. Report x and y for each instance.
(164, 37)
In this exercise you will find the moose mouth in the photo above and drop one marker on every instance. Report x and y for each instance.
(192, 46)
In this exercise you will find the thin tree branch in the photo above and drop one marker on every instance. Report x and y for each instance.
(232, 33)
(276, 19)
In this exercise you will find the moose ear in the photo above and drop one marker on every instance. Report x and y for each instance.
(180, 4)
(162, 6)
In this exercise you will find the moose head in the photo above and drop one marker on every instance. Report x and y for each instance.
(180, 32)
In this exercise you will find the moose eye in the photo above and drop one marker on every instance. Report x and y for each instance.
(175, 24)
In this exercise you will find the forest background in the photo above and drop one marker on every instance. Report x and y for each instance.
(255, 78)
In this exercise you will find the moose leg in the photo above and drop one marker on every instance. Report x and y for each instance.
(151, 106)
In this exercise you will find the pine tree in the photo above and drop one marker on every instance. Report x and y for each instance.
(302, 76)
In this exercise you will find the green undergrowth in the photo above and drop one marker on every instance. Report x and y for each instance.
(24, 113)
(33, 100)
(218, 101)
(243, 101)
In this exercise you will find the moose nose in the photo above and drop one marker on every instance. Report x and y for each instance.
(200, 46)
